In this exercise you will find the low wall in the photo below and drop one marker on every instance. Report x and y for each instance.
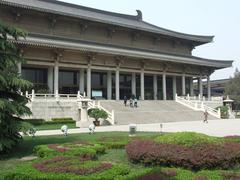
(54, 109)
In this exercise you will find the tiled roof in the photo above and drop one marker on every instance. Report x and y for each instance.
(128, 21)
(73, 44)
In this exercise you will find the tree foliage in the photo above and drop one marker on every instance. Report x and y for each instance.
(97, 114)
(12, 104)
(233, 88)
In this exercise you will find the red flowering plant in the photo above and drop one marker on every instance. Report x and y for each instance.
(202, 156)
(79, 166)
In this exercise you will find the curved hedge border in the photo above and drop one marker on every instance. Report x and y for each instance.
(205, 156)
(116, 172)
(69, 149)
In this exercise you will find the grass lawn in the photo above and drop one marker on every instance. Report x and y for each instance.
(115, 156)
(54, 126)
(25, 148)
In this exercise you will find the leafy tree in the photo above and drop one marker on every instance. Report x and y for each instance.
(12, 104)
(97, 114)
(233, 88)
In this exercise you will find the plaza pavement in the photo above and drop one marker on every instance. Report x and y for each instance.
(220, 128)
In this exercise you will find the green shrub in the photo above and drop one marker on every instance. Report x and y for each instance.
(97, 114)
(69, 149)
(224, 111)
(35, 121)
(187, 139)
(60, 120)
(116, 172)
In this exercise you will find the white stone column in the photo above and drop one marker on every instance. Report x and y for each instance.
(200, 87)
(183, 85)
(50, 79)
(155, 87)
(134, 84)
(117, 84)
(81, 81)
(19, 65)
(174, 87)
(164, 86)
(56, 71)
(191, 87)
(209, 88)
(89, 88)
(109, 85)
(142, 84)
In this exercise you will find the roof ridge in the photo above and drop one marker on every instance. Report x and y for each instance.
(77, 6)
(172, 31)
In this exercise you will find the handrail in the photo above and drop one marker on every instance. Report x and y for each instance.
(197, 106)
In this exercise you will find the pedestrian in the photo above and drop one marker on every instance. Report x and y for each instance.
(125, 100)
(135, 102)
(205, 116)
(131, 102)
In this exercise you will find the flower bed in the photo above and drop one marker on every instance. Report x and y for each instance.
(79, 166)
(204, 156)
(70, 149)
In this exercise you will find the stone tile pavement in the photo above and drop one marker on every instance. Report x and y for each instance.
(223, 127)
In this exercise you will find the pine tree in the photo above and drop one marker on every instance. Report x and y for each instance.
(12, 104)
(233, 89)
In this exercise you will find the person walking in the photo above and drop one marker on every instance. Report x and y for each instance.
(135, 102)
(205, 116)
(125, 100)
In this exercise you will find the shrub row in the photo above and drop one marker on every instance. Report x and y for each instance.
(37, 122)
(205, 156)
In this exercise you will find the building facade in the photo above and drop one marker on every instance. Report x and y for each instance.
(71, 48)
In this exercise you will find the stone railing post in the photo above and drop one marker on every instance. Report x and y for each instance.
(33, 95)
(56, 95)
(98, 104)
(219, 112)
(113, 121)
(199, 97)
(188, 98)
(176, 97)
(78, 95)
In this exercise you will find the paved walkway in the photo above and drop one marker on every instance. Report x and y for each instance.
(225, 127)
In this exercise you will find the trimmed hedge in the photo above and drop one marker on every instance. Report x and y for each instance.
(188, 139)
(62, 120)
(116, 172)
(35, 121)
(69, 149)
(204, 156)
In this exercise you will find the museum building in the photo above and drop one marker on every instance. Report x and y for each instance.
(105, 55)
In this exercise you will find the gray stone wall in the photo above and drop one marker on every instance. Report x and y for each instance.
(53, 109)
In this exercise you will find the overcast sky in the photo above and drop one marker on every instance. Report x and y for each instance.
(220, 18)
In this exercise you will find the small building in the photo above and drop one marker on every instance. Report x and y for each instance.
(71, 48)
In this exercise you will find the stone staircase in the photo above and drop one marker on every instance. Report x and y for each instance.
(152, 112)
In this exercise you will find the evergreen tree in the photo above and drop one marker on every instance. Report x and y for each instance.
(12, 104)
(233, 89)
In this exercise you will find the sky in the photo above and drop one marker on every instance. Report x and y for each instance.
(220, 18)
